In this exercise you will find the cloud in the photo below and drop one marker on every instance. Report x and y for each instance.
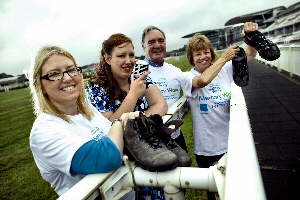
(81, 26)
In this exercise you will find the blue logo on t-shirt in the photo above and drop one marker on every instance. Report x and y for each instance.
(204, 108)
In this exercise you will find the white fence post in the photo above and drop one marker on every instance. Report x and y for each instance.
(288, 61)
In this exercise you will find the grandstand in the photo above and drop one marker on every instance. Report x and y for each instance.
(279, 24)
(286, 27)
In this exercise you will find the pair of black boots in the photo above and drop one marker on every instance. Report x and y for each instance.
(265, 48)
(148, 141)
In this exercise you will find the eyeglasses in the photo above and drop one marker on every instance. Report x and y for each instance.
(55, 76)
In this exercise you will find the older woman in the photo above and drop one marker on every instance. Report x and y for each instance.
(210, 104)
(69, 136)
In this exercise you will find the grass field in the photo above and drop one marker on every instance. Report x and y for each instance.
(19, 176)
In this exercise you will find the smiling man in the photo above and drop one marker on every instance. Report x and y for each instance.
(170, 79)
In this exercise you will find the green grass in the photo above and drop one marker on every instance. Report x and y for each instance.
(19, 176)
(182, 63)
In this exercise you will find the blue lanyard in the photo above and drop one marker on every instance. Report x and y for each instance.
(153, 64)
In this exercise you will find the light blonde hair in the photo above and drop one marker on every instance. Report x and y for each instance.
(41, 102)
(199, 42)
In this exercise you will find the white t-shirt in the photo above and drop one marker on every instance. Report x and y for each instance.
(211, 113)
(54, 142)
(171, 80)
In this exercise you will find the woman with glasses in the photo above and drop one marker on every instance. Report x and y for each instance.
(69, 138)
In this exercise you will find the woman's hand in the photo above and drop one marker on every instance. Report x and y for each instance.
(249, 27)
(138, 86)
(130, 115)
(230, 53)
(250, 51)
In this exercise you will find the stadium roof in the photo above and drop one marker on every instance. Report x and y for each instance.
(251, 16)
(290, 9)
(207, 32)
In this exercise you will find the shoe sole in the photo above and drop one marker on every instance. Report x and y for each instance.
(185, 165)
(152, 168)
(275, 53)
(240, 69)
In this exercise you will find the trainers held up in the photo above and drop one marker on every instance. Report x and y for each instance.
(265, 48)
(240, 69)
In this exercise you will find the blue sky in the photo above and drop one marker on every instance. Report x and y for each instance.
(81, 26)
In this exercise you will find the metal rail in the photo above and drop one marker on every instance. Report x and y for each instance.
(236, 176)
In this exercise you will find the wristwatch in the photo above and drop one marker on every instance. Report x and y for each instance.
(118, 120)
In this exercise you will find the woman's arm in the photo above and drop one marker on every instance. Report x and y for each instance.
(128, 105)
(210, 73)
(157, 102)
(101, 102)
(137, 89)
(105, 154)
(100, 156)
(250, 51)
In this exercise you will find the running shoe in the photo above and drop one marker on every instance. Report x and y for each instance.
(265, 47)
(240, 69)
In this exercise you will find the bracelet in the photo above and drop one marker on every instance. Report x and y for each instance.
(118, 120)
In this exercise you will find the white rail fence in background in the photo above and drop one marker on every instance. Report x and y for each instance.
(236, 176)
(289, 60)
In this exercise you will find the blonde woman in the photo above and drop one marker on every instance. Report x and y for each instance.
(69, 138)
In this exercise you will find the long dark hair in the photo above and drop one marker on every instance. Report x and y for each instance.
(103, 75)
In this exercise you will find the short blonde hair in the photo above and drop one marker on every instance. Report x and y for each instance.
(199, 42)
(41, 102)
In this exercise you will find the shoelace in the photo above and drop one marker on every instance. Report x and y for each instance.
(148, 135)
(166, 139)
(161, 134)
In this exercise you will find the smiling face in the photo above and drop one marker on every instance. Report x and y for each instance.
(121, 60)
(62, 93)
(202, 59)
(155, 46)
(200, 52)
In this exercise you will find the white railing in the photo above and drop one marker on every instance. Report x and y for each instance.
(288, 61)
(236, 176)
(242, 169)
